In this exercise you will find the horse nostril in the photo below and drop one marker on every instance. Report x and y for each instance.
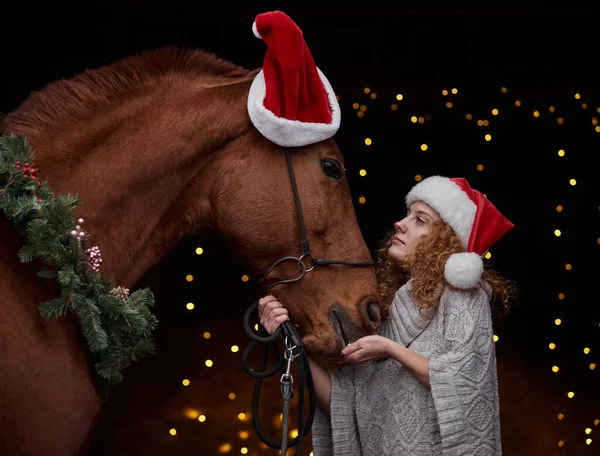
(372, 311)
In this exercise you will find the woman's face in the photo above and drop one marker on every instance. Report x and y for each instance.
(410, 229)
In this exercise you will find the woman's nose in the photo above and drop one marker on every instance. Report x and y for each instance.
(399, 226)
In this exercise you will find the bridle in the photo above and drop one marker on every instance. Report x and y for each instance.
(292, 342)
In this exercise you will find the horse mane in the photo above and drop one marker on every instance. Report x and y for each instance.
(67, 100)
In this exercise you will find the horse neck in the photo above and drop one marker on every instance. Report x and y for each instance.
(143, 172)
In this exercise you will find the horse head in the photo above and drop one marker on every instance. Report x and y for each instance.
(166, 144)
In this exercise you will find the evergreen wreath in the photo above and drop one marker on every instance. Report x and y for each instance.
(117, 325)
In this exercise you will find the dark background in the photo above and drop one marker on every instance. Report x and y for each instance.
(541, 53)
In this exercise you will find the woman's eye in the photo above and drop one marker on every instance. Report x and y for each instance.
(331, 168)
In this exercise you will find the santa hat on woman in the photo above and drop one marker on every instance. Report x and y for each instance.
(476, 222)
(290, 101)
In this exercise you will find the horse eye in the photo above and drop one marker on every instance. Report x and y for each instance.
(332, 168)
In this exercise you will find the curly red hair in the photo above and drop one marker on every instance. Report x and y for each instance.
(426, 268)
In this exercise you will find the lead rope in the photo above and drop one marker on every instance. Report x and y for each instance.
(292, 341)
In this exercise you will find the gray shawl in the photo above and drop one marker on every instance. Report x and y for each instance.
(379, 408)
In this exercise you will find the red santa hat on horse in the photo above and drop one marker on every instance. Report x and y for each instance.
(290, 102)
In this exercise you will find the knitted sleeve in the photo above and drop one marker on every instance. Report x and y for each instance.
(462, 374)
(339, 430)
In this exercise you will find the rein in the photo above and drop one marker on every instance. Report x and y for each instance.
(294, 349)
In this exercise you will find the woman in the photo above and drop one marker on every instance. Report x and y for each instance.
(426, 384)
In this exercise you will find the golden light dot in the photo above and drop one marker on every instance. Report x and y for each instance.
(235, 348)
(518, 103)
(559, 208)
(449, 104)
(586, 350)
(421, 119)
(202, 418)
(363, 108)
(418, 177)
(486, 122)
(480, 123)
(423, 146)
(173, 431)
(488, 255)
(597, 129)
(488, 137)
(206, 335)
(225, 448)
(241, 416)
(294, 433)
(355, 105)
(394, 107)
(256, 327)
(454, 91)
(337, 97)
(373, 96)
(573, 182)
(552, 345)
(190, 306)
(368, 141)
(444, 92)
(469, 116)
(503, 90)
(568, 266)
(570, 394)
(494, 112)
(557, 322)
(551, 109)
(596, 422)
(496, 338)
(367, 90)
(231, 396)
(561, 443)
(480, 167)
(244, 434)
(208, 363)
(413, 119)
(244, 450)
(588, 441)
(593, 366)
(536, 113)
(594, 121)
(189, 277)
(577, 96)
(191, 413)
(561, 153)
(363, 172)
(557, 233)
(399, 97)
(555, 369)
(362, 200)
(561, 416)
(199, 251)
(561, 296)
(245, 278)
(185, 382)
(588, 430)
(598, 241)
(360, 114)
(560, 120)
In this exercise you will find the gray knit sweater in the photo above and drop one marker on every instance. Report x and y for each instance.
(381, 409)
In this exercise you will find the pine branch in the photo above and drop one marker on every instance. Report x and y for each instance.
(117, 330)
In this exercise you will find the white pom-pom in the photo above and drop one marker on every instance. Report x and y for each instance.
(463, 270)
(255, 31)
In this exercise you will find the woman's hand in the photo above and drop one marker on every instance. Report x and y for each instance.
(271, 313)
(366, 349)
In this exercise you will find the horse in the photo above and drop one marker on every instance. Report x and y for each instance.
(159, 146)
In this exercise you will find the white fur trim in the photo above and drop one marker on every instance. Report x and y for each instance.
(454, 206)
(463, 270)
(255, 31)
(285, 132)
